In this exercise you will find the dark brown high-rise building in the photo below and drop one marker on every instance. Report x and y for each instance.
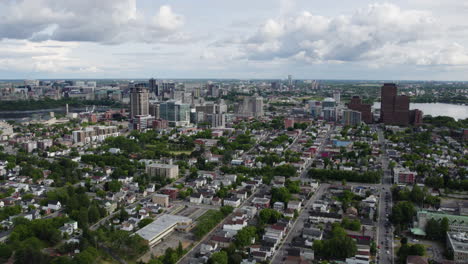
(394, 108)
(365, 109)
(416, 117)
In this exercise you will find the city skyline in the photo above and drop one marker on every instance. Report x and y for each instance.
(383, 40)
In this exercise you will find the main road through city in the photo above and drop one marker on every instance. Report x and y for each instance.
(384, 228)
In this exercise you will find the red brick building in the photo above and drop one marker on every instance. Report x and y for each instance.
(365, 109)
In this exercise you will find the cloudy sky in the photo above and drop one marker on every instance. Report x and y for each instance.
(310, 39)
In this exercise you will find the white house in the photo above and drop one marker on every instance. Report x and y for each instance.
(234, 202)
(295, 205)
(196, 198)
(54, 205)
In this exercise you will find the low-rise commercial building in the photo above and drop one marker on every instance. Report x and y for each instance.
(161, 199)
(163, 226)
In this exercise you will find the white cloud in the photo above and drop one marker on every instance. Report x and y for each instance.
(379, 34)
(167, 20)
(104, 21)
(48, 56)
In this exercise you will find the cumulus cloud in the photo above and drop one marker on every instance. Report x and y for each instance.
(48, 56)
(104, 21)
(379, 34)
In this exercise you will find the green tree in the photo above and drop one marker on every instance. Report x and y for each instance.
(281, 194)
(417, 195)
(93, 214)
(403, 213)
(268, 216)
(244, 237)
(220, 257)
(339, 246)
(114, 186)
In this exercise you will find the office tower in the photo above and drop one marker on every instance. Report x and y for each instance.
(365, 109)
(329, 114)
(176, 113)
(196, 92)
(337, 97)
(139, 101)
(252, 106)
(290, 80)
(394, 108)
(168, 87)
(213, 90)
(315, 108)
(275, 86)
(154, 109)
(328, 102)
(351, 118)
(212, 113)
(153, 86)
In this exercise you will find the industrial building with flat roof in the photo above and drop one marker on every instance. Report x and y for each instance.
(457, 243)
(163, 226)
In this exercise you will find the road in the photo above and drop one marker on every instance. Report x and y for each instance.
(297, 226)
(384, 228)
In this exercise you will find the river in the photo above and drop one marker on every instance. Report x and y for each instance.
(19, 115)
(438, 109)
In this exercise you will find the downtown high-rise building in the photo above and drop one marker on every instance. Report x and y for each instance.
(176, 113)
(211, 113)
(365, 109)
(351, 118)
(153, 86)
(139, 101)
(252, 106)
(394, 108)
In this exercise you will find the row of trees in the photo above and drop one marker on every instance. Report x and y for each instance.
(417, 195)
(351, 176)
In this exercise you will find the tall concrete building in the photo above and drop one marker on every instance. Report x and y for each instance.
(212, 113)
(337, 97)
(328, 103)
(139, 101)
(351, 118)
(252, 106)
(394, 108)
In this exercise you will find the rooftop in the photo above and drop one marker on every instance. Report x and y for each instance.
(160, 225)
